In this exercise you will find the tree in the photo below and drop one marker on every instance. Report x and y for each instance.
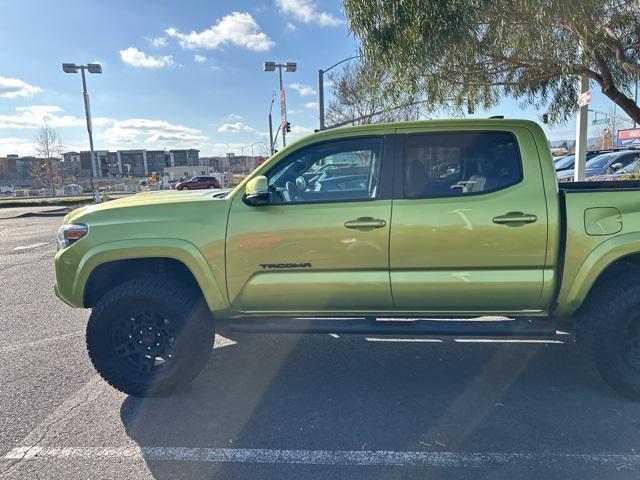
(476, 51)
(361, 92)
(49, 149)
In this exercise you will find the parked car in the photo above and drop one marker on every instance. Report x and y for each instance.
(630, 172)
(197, 183)
(604, 164)
(567, 162)
(495, 235)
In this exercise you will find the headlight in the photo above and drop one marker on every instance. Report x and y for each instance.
(70, 233)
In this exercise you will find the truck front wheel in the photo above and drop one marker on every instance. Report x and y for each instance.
(609, 330)
(150, 336)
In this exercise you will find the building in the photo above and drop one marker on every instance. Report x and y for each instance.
(133, 163)
(107, 162)
(158, 160)
(180, 158)
(8, 169)
(85, 164)
(130, 163)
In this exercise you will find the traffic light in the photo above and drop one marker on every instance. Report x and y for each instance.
(545, 118)
(287, 127)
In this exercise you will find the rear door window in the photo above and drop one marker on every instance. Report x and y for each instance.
(461, 163)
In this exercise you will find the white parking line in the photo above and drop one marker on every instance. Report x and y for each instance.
(323, 457)
(404, 340)
(29, 247)
(504, 340)
(20, 346)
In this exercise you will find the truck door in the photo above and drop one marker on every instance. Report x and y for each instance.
(322, 243)
(469, 229)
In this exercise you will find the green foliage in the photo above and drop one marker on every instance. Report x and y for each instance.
(475, 51)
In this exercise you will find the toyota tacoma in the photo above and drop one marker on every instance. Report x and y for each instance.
(346, 231)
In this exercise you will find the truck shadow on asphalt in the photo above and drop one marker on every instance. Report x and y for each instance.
(317, 392)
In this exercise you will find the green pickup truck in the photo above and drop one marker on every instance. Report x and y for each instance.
(348, 230)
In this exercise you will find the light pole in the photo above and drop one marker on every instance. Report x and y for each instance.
(273, 99)
(288, 67)
(321, 73)
(92, 68)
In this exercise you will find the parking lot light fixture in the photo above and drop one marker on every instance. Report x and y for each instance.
(92, 68)
(288, 67)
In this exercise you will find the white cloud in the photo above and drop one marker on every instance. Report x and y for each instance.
(312, 105)
(306, 11)
(18, 146)
(239, 29)
(299, 131)
(109, 132)
(14, 87)
(303, 90)
(234, 116)
(35, 115)
(138, 130)
(237, 127)
(199, 58)
(137, 58)
(290, 27)
(158, 42)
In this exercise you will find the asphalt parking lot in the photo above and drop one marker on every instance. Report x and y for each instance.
(286, 406)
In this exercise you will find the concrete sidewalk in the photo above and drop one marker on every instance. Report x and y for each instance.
(22, 212)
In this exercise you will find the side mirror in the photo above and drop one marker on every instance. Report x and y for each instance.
(257, 191)
(617, 166)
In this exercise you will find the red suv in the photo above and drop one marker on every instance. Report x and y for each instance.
(198, 182)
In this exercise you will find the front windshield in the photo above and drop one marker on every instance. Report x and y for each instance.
(566, 162)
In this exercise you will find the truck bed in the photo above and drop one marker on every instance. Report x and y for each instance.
(591, 219)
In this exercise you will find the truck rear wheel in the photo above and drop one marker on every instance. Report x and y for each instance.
(609, 331)
(149, 336)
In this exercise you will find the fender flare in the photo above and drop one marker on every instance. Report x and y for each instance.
(180, 250)
(593, 266)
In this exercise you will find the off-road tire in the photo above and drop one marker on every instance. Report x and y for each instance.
(608, 331)
(191, 340)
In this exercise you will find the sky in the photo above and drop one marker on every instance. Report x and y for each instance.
(176, 74)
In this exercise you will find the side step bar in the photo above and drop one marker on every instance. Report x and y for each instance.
(371, 326)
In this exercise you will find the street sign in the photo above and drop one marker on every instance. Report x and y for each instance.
(584, 99)
(600, 121)
(629, 138)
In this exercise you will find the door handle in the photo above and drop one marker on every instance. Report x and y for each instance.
(515, 219)
(365, 223)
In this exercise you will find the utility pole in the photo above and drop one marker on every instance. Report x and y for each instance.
(270, 135)
(87, 113)
(635, 98)
(581, 131)
(271, 149)
(321, 97)
(321, 73)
